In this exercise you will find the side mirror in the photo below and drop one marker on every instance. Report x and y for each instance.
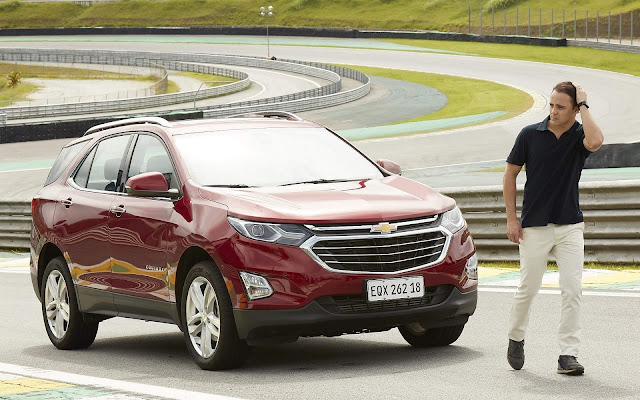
(150, 184)
(390, 166)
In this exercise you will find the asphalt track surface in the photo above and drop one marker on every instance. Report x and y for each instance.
(612, 96)
(382, 365)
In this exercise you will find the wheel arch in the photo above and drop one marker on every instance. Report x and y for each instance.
(48, 252)
(189, 258)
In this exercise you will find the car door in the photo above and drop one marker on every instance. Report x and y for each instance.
(138, 231)
(82, 217)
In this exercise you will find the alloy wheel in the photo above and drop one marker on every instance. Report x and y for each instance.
(57, 304)
(203, 317)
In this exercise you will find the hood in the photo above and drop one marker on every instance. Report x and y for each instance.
(388, 199)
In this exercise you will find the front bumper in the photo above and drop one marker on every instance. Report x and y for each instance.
(315, 320)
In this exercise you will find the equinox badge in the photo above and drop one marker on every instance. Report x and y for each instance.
(384, 227)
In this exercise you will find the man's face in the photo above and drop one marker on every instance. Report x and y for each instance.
(561, 109)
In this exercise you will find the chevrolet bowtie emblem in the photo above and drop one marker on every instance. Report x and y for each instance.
(384, 227)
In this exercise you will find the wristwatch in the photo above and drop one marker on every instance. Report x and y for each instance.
(583, 103)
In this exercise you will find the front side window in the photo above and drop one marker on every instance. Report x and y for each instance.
(271, 157)
(100, 170)
(66, 155)
(150, 155)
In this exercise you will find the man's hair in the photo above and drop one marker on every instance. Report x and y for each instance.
(567, 88)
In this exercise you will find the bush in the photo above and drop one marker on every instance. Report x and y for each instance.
(14, 79)
(10, 5)
(501, 3)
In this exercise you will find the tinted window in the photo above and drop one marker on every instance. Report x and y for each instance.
(66, 155)
(83, 172)
(271, 156)
(105, 171)
(150, 155)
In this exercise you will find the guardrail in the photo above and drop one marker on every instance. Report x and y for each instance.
(15, 224)
(188, 62)
(294, 102)
(611, 214)
(116, 58)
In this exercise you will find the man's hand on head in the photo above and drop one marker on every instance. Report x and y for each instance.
(581, 95)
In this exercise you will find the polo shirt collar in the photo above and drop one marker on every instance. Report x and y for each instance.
(542, 126)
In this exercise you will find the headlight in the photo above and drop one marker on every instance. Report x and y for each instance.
(289, 234)
(452, 220)
(256, 286)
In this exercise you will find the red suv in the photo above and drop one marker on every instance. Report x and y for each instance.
(255, 229)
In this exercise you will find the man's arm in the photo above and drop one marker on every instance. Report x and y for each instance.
(593, 136)
(514, 230)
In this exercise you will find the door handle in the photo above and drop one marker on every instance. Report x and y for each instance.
(118, 210)
(67, 202)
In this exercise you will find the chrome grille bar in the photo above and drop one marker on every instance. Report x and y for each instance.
(379, 255)
(369, 247)
(334, 229)
(382, 262)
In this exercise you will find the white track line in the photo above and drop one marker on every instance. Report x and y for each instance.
(454, 165)
(22, 170)
(257, 94)
(111, 384)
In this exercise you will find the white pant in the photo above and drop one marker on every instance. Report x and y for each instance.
(566, 243)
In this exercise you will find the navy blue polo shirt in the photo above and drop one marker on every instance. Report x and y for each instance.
(553, 168)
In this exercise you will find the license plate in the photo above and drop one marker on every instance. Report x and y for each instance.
(395, 288)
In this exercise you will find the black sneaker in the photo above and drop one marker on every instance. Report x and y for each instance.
(515, 354)
(569, 365)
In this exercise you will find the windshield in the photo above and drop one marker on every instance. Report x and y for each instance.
(271, 157)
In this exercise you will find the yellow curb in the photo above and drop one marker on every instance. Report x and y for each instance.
(616, 277)
(26, 385)
(486, 272)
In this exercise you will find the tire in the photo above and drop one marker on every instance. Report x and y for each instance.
(217, 347)
(417, 336)
(63, 321)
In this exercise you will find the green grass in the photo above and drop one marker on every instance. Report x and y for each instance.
(9, 96)
(211, 80)
(465, 96)
(382, 14)
(554, 267)
(51, 72)
(626, 63)
(172, 88)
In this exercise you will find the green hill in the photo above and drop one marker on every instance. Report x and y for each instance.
(443, 15)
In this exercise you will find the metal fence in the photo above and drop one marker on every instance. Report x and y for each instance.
(611, 213)
(313, 98)
(297, 102)
(95, 72)
(575, 24)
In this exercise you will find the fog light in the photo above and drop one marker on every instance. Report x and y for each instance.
(472, 267)
(256, 286)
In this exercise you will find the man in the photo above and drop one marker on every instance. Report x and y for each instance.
(554, 152)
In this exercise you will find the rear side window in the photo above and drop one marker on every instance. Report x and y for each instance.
(66, 155)
(100, 170)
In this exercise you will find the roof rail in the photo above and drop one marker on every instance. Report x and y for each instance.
(269, 114)
(129, 121)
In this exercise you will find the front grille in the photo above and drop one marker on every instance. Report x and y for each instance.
(346, 304)
(381, 253)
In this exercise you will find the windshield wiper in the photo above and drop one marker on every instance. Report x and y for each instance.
(230, 186)
(316, 181)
